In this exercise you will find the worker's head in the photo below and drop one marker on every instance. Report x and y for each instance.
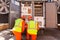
(29, 17)
(23, 17)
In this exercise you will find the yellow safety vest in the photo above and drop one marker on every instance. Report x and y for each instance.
(18, 25)
(32, 29)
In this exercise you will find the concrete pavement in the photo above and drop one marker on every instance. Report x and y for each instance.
(49, 34)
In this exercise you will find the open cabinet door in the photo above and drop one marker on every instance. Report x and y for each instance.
(51, 15)
(14, 12)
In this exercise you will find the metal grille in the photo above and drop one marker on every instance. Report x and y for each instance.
(4, 6)
(38, 7)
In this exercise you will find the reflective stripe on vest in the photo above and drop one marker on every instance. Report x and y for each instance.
(18, 25)
(32, 29)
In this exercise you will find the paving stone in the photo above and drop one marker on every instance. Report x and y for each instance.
(2, 38)
(50, 34)
(46, 38)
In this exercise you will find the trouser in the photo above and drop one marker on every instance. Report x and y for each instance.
(31, 36)
(17, 35)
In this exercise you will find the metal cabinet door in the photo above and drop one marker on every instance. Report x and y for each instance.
(51, 15)
(14, 14)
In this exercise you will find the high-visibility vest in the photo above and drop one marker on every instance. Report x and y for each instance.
(18, 25)
(32, 29)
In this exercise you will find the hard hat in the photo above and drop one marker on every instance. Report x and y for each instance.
(23, 17)
(29, 17)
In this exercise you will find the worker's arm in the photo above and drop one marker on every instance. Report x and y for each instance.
(23, 25)
(37, 25)
(26, 25)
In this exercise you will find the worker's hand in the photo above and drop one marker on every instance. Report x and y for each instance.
(12, 29)
(26, 25)
(38, 28)
(11, 32)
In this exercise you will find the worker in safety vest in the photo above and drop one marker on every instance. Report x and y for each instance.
(32, 29)
(18, 28)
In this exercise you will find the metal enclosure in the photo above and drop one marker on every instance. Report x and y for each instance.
(51, 15)
(49, 12)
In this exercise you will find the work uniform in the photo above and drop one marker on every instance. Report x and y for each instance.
(32, 30)
(18, 28)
